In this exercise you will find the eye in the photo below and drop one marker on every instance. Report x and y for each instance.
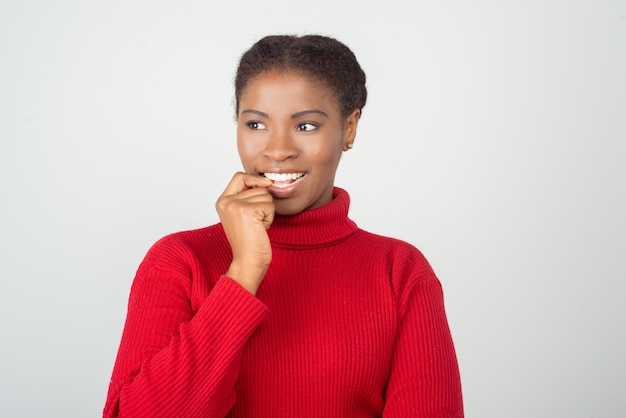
(306, 127)
(255, 125)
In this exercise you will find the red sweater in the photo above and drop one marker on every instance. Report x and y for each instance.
(345, 324)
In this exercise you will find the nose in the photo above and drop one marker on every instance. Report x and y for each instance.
(280, 146)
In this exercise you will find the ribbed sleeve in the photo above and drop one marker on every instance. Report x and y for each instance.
(424, 380)
(171, 364)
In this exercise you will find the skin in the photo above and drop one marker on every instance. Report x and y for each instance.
(287, 123)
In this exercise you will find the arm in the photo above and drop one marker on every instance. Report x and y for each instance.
(424, 380)
(172, 364)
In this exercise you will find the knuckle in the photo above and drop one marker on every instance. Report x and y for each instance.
(243, 209)
(223, 203)
(239, 176)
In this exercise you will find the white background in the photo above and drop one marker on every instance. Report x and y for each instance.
(494, 139)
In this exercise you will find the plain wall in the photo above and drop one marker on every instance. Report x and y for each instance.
(494, 140)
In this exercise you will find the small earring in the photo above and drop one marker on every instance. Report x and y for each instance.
(349, 146)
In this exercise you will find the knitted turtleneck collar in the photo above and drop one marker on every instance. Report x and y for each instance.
(314, 227)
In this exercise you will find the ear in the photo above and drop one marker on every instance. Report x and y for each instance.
(349, 131)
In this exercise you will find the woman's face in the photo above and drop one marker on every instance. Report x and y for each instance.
(290, 130)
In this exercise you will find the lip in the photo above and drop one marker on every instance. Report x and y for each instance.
(282, 190)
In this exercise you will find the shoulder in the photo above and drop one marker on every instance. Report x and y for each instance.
(179, 251)
(406, 265)
(395, 250)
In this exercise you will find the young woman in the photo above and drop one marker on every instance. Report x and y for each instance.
(286, 308)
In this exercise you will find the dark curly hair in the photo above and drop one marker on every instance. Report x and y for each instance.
(324, 59)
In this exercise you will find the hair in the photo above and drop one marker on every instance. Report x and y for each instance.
(322, 58)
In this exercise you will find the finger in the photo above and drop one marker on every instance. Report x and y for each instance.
(244, 181)
(264, 213)
(246, 197)
(267, 198)
(257, 194)
(269, 218)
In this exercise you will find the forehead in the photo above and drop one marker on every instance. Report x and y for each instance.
(287, 89)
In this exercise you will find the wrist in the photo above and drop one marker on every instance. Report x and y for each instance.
(248, 276)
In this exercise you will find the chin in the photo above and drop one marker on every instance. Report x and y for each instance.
(290, 206)
(286, 209)
(293, 205)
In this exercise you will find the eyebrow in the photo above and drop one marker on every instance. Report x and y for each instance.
(294, 116)
(256, 112)
(306, 112)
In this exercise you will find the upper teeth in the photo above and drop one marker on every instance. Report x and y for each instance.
(283, 176)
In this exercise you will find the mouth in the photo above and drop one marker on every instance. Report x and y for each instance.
(284, 180)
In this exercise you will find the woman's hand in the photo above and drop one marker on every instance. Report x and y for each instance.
(246, 210)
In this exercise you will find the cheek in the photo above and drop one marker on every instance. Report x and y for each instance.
(326, 152)
(247, 152)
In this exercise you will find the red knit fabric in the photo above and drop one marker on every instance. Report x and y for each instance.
(345, 324)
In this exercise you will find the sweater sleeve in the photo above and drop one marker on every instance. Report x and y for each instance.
(173, 363)
(424, 380)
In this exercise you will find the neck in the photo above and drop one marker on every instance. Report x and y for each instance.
(314, 227)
